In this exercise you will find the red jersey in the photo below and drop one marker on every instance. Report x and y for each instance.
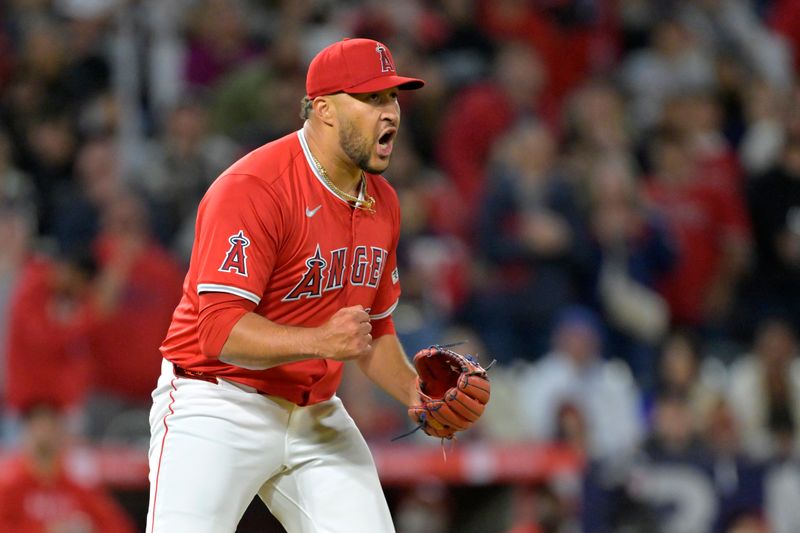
(271, 231)
(29, 504)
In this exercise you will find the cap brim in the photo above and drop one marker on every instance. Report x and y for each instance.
(386, 82)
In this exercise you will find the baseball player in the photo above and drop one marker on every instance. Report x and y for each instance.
(293, 271)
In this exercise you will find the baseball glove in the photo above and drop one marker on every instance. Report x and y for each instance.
(453, 389)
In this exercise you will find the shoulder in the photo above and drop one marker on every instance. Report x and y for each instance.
(233, 192)
(270, 162)
(257, 172)
(245, 198)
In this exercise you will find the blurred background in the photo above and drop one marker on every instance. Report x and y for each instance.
(603, 195)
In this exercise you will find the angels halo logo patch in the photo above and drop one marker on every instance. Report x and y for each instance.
(236, 257)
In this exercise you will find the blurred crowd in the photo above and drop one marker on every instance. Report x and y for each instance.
(603, 196)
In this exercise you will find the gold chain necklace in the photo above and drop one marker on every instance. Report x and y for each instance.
(368, 202)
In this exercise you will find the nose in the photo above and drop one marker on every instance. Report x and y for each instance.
(390, 113)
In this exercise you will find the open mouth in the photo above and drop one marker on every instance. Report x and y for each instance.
(385, 142)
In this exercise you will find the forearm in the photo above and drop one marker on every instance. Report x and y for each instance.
(257, 343)
(388, 366)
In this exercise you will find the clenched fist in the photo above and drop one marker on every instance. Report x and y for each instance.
(346, 335)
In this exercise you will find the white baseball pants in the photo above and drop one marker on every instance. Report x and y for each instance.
(213, 447)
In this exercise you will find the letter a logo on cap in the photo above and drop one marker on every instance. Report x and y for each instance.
(386, 61)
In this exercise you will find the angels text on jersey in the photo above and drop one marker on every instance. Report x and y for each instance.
(329, 272)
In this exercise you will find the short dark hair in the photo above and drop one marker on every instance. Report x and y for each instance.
(305, 107)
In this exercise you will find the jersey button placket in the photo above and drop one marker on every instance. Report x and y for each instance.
(351, 253)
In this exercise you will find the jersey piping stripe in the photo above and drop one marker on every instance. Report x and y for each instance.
(313, 167)
(385, 313)
(236, 291)
(161, 453)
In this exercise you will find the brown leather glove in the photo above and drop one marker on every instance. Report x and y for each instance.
(453, 389)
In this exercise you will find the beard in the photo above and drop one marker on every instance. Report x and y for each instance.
(357, 148)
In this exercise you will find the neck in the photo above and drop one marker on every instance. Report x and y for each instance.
(324, 146)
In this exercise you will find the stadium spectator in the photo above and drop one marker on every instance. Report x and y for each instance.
(178, 167)
(738, 478)
(575, 373)
(49, 158)
(41, 493)
(674, 62)
(632, 251)
(774, 200)
(681, 373)
(150, 281)
(712, 240)
(595, 128)
(672, 478)
(765, 387)
(48, 333)
(534, 245)
(98, 180)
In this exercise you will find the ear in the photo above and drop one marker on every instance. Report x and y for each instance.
(325, 109)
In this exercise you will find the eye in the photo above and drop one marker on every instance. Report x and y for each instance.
(375, 98)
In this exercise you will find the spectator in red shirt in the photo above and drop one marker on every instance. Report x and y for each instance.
(49, 324)
(150, 287)
(698, 116)
(39, 493)
(54, 311)
(713, 241)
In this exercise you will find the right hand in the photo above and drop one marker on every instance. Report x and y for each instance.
(346, 335)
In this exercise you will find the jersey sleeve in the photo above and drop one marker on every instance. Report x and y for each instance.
(237, 237)
(388, 293)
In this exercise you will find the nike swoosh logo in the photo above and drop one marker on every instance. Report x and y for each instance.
(311, 212)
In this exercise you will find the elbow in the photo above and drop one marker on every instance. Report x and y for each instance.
(215, 327)
(208, 337)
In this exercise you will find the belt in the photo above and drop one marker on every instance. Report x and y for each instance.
(202, 376)
(191, 374)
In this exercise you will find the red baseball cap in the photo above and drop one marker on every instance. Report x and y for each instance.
(355, 66)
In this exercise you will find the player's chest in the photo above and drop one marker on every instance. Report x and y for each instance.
(330, 249)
